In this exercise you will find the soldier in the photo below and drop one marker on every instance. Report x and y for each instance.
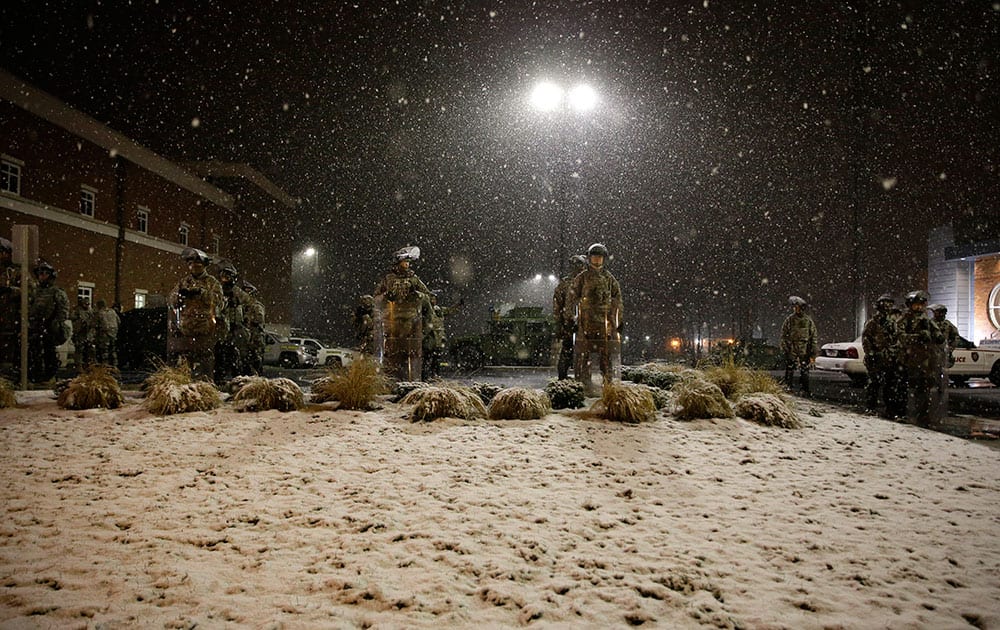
(596, 298)
(10, 311)
(435, 337)
(196, 302)
(799, 344)
(46, 324)
(254, 318)
(952, 339)
(399, 315)
(106, 342)
(84, 321)
(565, 320)
(364, 324)
(918, 338)
(234, 338)
(881, 345)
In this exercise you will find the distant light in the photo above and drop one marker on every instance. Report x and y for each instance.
(546, 96)
(537, 278)
(309, 252)
(582, 98)
(552, 277)
(647, 337)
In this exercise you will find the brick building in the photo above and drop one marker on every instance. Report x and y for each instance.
(964, 275)
(113, 216)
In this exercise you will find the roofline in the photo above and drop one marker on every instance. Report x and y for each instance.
(218, 168)
(972, 250)
(48, 107)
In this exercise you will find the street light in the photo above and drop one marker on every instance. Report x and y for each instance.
(548, 97)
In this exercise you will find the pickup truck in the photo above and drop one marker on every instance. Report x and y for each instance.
(281, 351)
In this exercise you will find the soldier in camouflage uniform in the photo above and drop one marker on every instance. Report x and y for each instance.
(596, 298)
(84, 321)
(799, 344)
(919, 339)
(10, 311)
(234, 338)
(364, 324)
(46, 324)
(565, 319)
(881, 345)
(952, 339)
(254, 318)
(196, 303)
(400, 300)
(106, 343)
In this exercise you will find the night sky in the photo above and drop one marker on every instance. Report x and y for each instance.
(735, 148)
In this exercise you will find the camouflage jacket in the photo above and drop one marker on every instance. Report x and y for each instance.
(597, 297)
(237, 304)
(49, 309)
(799, 337)
(84, 322)
(880, 341)
(560, 300)
(919, 342)
(197, 302)
(950, 332)
(107, 323)
(401, 287)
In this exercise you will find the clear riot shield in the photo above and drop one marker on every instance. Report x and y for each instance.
(605, 342)
(399, 337)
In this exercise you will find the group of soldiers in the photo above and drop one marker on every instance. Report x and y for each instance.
(95, 334)
(216, 324)
(401, 323)
(907, 354)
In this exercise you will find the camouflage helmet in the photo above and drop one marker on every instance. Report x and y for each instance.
(410, 252)
(249, 288)
(578, 259)
(914, 297)
(597, 249)
(795, 300)
(5, 245)
(228, 268)
(367, 300)
(191, 254)
(938, 308)
(43, 265)
(885, 297)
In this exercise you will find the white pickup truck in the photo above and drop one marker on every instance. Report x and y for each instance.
(849, 357)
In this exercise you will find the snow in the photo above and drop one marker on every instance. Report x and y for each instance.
(325, 518)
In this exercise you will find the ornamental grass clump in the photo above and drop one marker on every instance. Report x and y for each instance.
(7, 396)
(767, 409)
(736, 381)
(698, 398)
(519, 403)
(402, 388)
(260, 394)
(431, 403)
(96, 388)
(625, 402)
(356, 387)
(171, 390)
(566, 393)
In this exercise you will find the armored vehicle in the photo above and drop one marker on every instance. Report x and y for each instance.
(522, 336)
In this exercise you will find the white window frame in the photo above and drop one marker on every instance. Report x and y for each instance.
(142, 219)
(85, 290)
(993, 307)
(184, 234)
(141, 296)
(10, 174)
(88, 200)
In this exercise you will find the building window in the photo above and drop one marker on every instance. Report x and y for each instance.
(993, 307)
(88, 197)
(142, 220)
(85, 290)
(10, 175)
(182, 234)
(140, 298)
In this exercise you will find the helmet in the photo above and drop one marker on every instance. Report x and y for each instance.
(410, 252)
(597, 249)
(795, 300)
(938, 307)
(249, 288)
(578, 259)
(42, 265)
(5, 245)
(227, 268)
(367, 300)
(914, 297)
(885, 297)
(191, 254)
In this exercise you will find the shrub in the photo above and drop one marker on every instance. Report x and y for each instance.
(697, 398)
(736, 381)
(661, 397)
(519, 403)
(768, 410)
(402, 388)
(486, 391)
(95, 388)
(355, 388)
(626, 402)
(434, 402)
(171, 390)
(259, 394)
(566, 393)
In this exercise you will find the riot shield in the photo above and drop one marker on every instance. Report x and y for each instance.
(399, 337)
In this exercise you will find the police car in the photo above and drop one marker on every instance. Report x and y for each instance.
(849, 357)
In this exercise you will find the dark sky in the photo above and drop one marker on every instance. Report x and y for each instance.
(735, 148)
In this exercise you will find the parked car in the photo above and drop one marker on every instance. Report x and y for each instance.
(283, 352)
(849, 357)
(326, 355)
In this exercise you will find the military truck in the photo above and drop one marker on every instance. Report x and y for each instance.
(522, 336)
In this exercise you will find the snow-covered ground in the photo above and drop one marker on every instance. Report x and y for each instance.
(325, 518)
